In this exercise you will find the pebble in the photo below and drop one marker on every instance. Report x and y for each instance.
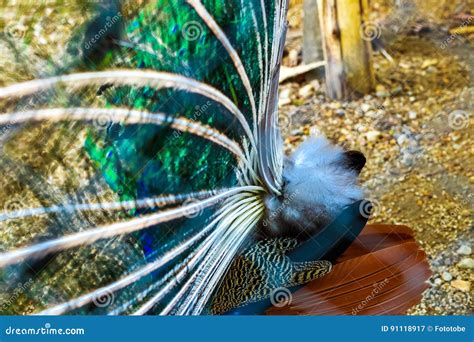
(402, 139)
(464, 250)
(429, 62)
(365, 107)
(316, 85)
(372, 135)
(412, 115)
(381, 91)
(397, 90)
(285, 96)
(447, 276)
(293, 58)
(306, 91)
(462, 285)
(466, 263)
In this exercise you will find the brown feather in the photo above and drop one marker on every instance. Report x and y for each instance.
(382, 272)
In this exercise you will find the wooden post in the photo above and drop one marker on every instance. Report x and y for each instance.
(347, 48)
(312, 45)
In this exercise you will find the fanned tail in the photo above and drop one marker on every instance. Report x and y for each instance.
(383, 272)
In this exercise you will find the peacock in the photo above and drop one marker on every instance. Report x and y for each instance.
(183, 201)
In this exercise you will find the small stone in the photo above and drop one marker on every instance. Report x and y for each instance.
(397, 90)
(286, 93)
(412, 115)
(462, 285)
(316, 85)
(340, 112)
(365, 107)
(447, 276)
(466, 263)
(293, 58)
(285, 96)
(306, 91)
(402, 139)
(464, 250)
(438, 281)
(372, 135)
(381, 91)
(429, 62)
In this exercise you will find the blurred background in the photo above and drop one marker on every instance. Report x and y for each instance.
(407, 106)
(414, 126)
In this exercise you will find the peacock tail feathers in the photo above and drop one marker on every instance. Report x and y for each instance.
(169, 107)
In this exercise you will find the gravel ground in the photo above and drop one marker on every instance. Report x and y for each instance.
(416, 132)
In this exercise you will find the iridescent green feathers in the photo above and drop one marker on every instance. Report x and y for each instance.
(171, 36)
(181, 96)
